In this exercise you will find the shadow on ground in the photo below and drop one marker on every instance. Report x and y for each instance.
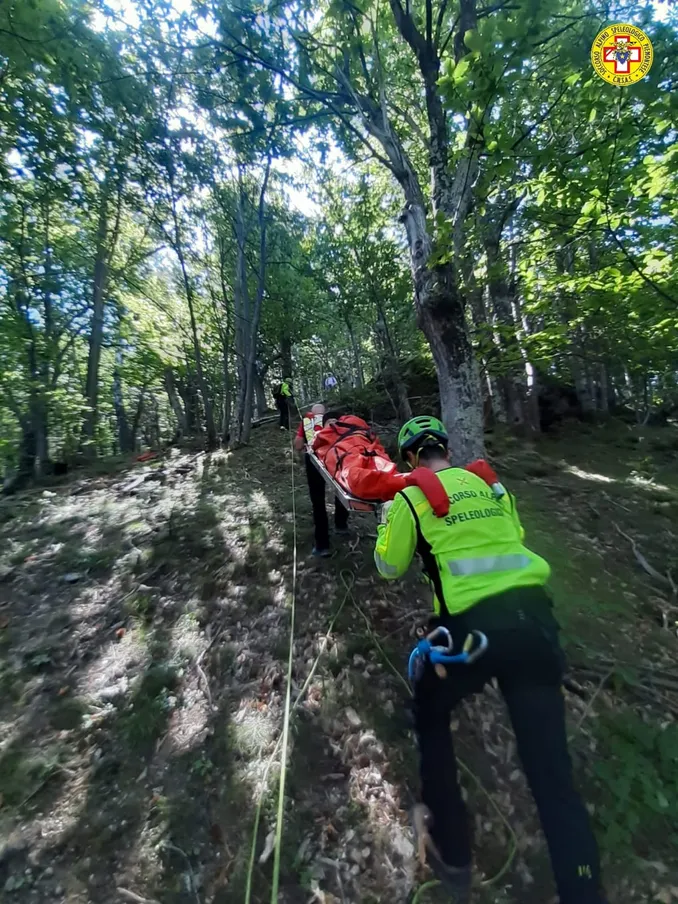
(144, 630)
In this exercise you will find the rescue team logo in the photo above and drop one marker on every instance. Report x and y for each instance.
(622, 54)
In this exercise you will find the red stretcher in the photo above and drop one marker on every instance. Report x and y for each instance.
(421, 477)
(352, 503)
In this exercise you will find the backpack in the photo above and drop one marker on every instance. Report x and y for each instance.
(277, 390)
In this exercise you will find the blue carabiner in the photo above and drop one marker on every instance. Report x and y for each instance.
(474, 647)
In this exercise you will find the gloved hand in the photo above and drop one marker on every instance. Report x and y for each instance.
(383, 514)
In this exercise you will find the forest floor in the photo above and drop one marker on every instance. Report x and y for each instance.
(144, 631)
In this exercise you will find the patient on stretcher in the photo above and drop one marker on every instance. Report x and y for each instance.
(353, 456)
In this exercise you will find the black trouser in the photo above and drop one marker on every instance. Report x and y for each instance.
(525, 656)
(316, 490)
(284, 409)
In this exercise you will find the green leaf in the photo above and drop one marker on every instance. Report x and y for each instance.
(572, 79)
(461, 69)
(473, 40)
(593, 114)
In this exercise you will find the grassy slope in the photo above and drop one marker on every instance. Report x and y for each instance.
(141, 703)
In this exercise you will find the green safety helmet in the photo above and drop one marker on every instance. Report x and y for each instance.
(417, 428)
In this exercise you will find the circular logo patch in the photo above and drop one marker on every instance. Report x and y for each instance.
(622, 54)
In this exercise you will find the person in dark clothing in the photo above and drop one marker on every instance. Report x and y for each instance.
(485, 580)
(283, 397)
(310, 425)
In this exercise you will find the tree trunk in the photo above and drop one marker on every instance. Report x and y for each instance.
(582, 385)
(286, 356)
(188, 392)
(439, 302)
(225, 332)
(357, 359)
(516, 369)
(242, 312)
(604, 389)
(461, 400)
(393, 366)
(27, 456)
(97, 330)
(105, 246)
(493, 399)
(134, 430)
(37, 408)
(226, 420)
(197, 349)
(125, 440)
(175, 402)
(258, 302)
(531, 396)
(260, 392)
(441, 317)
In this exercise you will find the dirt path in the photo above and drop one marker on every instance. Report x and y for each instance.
(144, 630)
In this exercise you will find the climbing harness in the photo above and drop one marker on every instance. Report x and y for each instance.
(440, 654)
(513, 839)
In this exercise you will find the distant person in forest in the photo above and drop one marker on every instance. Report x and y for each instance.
(485, 580)
(282, 393)
(311, 424)
(330, 382)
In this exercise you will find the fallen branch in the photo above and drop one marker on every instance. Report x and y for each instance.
(133, 896)
(589, 706)
(614, 502)
(648, 678)
(53, 770)
(601, 662)
(644, 564)
(205, 683)
(574, 688)
(201, 671)
(194, 887)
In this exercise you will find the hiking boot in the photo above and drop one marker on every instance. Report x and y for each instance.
(321, 553)
(455, 880)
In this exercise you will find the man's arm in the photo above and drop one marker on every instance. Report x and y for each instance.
(299, 439)
(396, 540)
(509, 502)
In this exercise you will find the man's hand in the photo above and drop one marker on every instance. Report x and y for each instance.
(383, 514)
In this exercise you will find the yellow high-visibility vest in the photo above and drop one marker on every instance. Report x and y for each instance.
(311, 426)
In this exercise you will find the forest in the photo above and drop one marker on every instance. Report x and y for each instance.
(442, 206)
(199, 200)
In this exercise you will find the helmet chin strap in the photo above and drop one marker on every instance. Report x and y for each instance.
(418, 453)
